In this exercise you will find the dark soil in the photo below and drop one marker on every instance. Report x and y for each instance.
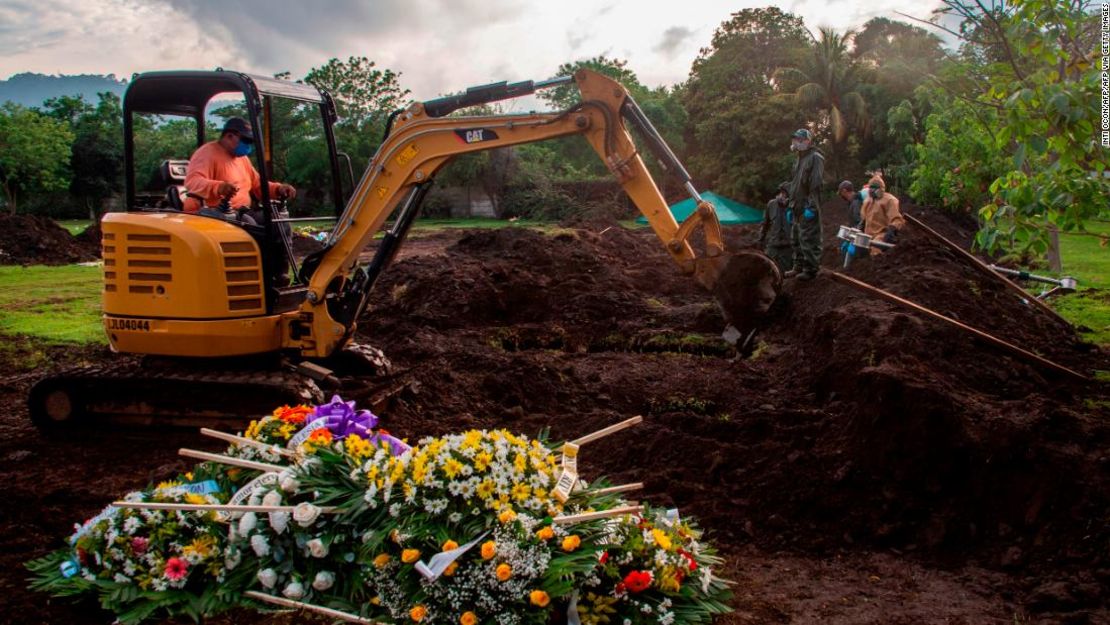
(32, 240)
(864, 465)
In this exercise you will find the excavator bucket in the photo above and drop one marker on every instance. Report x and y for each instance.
(745, 285)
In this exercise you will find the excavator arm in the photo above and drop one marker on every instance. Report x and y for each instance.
(424, 139)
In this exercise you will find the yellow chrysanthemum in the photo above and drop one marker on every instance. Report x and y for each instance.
(482, 460)
(195, 499)
(661, 539)
(521, 492)
(484, 490)
(452, 468)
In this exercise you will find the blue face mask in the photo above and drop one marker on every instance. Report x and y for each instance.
(244, 148)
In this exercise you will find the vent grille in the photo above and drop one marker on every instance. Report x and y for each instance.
(149, 237)
(132, 262)
(238, 290)
(154, 251)
(244, 304)
(237, 247)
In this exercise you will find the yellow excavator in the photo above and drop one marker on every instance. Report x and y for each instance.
(199, 302)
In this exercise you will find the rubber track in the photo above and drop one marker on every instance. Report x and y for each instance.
(162, 394)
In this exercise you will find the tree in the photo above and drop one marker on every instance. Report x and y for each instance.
(565, 96)
(364, 98)
(34, 152)
(1028, 64)
(737, 134)
(96, 157)
(827, 81)
(895, 59)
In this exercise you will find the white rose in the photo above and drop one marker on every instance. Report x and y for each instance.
(232, 559)
(288, 482)
(247, 523)
(293, 590)
(305, 514)
(260, 545)
(317, 548)
(279, 521)
(323, 581)
(267, 577)
(272, 498)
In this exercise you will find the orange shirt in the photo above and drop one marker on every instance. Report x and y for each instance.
(211, 165)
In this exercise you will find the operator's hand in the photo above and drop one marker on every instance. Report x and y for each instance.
(891, 234)
(226, 189)
(287, 192)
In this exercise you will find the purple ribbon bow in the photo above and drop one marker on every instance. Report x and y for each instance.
(343, 420)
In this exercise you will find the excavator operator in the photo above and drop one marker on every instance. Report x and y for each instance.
(220, 179)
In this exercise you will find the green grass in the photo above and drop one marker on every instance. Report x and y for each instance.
(75, 226)
(1085, 259)
(59, 304)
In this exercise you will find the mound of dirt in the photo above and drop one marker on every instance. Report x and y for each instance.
(303, 245)
(32, 240)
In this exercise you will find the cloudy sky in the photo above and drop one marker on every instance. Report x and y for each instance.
(439, 46)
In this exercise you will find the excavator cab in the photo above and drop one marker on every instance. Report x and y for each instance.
(190, 95)
(203, 286)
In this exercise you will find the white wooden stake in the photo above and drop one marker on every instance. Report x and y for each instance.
(593, 516)
(228, 460)
(242, 440)
(616, 489)
(319, 609)
(208, 507)
(612, 429)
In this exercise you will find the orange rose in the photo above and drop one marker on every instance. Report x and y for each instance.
(449, 545)
(408, 556)
(450, 570)
(572, 542)
(545, 534)
(417, 613)
(468, 618)
(489, 549)
(539, 598)
(381, 560)
(504, 572)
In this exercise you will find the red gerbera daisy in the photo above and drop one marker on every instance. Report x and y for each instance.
(176, 568)
(637, 581)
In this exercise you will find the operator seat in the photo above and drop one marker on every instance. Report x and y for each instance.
(173, 174)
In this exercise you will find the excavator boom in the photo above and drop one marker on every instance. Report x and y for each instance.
(424, 139)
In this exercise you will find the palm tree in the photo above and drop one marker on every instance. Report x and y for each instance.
(826, 80)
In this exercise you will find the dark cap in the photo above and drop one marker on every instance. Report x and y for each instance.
(241, 127)
(802, 133)
(847, 184)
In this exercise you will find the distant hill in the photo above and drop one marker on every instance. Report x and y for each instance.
(32, 89)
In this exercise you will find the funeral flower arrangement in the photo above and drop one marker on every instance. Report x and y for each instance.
(320, 509)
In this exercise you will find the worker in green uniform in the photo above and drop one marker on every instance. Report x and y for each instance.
(805, 202)
(775, 232)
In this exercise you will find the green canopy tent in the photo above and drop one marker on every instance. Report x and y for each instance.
(729, 212)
